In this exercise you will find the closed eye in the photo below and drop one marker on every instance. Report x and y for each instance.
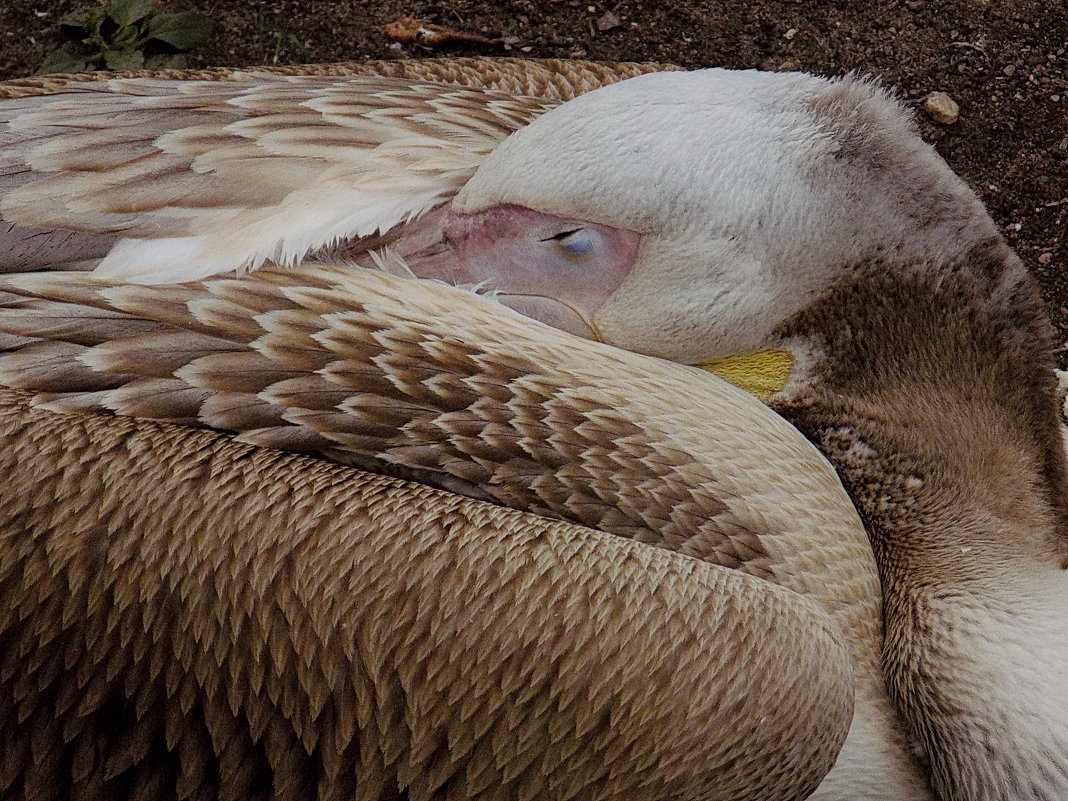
(561, 236)
(575, 244)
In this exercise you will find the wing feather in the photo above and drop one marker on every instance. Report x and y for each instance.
(240, 372)
(161, 181)
(71, 322)
(158, 353)
(56, 366)
(152, 398)
(373, 367)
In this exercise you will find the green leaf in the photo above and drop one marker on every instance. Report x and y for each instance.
(124, 38)
(124, 59)
(80, 19)
(127, 12)
(183, 31)
(62, 60)
(95, 23)
(165, 61)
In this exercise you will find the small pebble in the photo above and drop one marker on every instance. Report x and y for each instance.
(790, 34)
(941, 108)
(1045, 258)
(1009, 70)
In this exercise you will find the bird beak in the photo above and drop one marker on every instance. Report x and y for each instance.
(759, 372)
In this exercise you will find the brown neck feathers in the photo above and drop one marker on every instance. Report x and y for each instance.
(936, 401)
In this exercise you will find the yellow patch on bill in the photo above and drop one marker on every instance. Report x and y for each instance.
(759, 372)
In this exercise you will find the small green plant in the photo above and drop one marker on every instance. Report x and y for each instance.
(282, 46)
(126, 35)
(288, 48)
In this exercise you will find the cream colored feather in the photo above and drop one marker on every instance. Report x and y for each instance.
(213, 177)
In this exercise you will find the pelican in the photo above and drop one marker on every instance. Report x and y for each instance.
(781, 226)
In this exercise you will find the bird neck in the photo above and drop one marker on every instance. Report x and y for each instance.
(935, 399)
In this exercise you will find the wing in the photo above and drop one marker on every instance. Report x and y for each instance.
(182, 615)
(431, 378)
(170, 181)
(440, 380)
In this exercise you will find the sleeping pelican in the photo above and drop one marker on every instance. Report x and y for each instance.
(723, 219)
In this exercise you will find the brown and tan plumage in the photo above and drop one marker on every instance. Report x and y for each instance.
(796, 221)
(189, 614)
(468, 404)
(381, 370)
(262, 625)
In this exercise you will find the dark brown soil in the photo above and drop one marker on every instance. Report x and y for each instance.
(1003, 61)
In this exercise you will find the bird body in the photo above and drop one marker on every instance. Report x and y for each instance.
(686, 216)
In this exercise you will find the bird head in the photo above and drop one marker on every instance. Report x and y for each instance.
(688, 215)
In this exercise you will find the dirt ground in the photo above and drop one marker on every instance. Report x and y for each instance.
(1003, 61)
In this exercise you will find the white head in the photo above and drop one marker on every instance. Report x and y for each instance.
(748, 193)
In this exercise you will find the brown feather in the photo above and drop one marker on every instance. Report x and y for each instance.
(277, 654)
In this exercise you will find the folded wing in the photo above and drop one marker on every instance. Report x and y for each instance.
(169, 181)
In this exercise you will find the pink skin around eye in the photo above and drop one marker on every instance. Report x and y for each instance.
(538, 267)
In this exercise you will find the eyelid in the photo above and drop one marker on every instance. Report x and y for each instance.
(562, 235)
